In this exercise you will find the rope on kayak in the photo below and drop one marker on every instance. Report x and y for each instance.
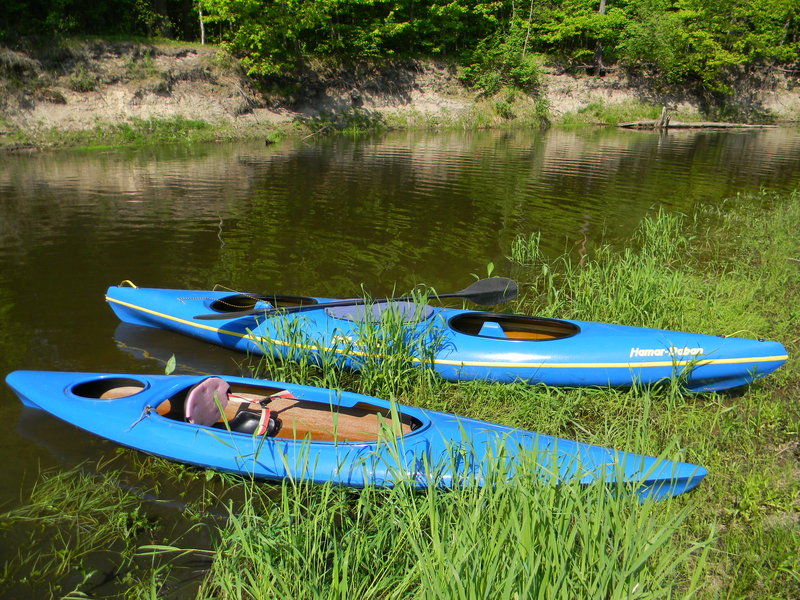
(218, 286)
(753, 333)
(129, 282)
(145, 413)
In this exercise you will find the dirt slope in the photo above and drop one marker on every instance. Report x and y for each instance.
(84, 84)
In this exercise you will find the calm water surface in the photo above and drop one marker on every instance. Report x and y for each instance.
(317, 218)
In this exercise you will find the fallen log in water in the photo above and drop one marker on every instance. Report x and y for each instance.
(668, 124)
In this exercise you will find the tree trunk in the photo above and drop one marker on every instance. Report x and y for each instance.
(598, 48)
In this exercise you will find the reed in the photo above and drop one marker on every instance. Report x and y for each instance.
(393, 353)
(519, 537)
(639, 285)
(731, 270)
(80, 528)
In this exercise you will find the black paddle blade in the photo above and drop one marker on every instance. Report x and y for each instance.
(490, 291)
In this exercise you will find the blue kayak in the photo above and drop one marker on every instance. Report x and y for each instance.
(276, 430)
(459, 344)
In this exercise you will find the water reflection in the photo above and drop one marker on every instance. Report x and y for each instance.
(322, 218)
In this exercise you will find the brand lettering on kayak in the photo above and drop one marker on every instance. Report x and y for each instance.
(671, 351)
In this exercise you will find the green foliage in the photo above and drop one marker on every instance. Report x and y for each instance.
(514, 539)
(705, 40)
(73, 518)
(82, 80)
(501, 60)
(168, 18)
(700, 42)
(621, 112)
(273, 37)
(573, 29)
(132, 132)
(639, 286)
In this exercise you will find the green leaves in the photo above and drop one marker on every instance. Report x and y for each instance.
(685, 41)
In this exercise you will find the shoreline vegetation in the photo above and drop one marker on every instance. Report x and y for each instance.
(103, 93)
(138, 526)
(132, 72)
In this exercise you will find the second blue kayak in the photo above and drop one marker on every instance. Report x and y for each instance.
(460, 344)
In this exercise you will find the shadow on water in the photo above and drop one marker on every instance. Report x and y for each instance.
(153, 348)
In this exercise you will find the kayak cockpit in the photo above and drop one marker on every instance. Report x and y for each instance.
(240, 302)
(275, 412)
(512, 327)
(109, 388)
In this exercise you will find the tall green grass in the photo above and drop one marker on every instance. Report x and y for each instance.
(75, 529)
(600, 112)
(731, 270)
(646, 283)
(516, 539)
(392, 352)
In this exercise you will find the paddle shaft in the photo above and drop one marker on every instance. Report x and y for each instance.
(493, 290)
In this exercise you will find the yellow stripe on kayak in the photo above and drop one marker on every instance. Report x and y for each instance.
(617, 365)
(461, 363)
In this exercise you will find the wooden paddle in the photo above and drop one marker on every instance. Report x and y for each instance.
(490, 291)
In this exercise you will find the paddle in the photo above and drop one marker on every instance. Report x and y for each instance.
(490, 291)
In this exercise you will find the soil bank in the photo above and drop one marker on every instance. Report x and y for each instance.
(90, 84)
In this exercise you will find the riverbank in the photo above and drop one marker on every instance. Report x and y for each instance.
(99, 92)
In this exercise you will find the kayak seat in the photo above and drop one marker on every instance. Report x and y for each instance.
(492, 329)
(206, 400)
(206, 403)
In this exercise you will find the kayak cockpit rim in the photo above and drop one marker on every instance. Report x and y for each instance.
(512, 327)
(109, 388)
(240, 302)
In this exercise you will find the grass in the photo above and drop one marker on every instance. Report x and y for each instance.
(384, 349)
(510, 540)
(732, 269)
(131, 132)
(72, 520)
(603, 113)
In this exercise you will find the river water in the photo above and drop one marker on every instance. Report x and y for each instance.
(314, 217)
